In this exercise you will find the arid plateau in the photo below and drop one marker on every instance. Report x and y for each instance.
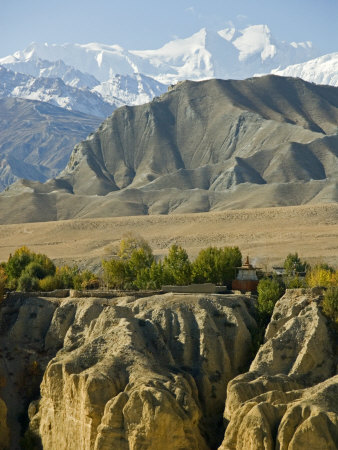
(267, 235)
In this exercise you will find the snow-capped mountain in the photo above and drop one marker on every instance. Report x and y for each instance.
(133, 89)
(100, 101)
(55, 92)
(57, 69)
(322, 70)
(228, 53)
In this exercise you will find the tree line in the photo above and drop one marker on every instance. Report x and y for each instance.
(134, 266)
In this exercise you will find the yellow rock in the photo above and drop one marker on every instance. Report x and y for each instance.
(289, 398)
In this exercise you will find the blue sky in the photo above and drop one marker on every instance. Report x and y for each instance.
(137, 24)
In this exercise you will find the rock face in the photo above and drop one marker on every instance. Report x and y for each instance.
(288, 399)
(155, 373)
(128, 373)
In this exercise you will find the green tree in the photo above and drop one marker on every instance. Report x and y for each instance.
(330, 303)
(269, 291)
(26, 283)
(35, 270)
(153, 277)
(293, 264)
(116, 273)
(139, 259)
(131, 242)
(216, 265)
(21, 259)
(176, 266)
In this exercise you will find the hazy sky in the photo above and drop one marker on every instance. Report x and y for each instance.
(137, 24)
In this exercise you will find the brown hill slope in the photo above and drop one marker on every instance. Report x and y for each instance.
(266, 234)
(203, 146)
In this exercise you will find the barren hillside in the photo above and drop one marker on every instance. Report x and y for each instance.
(266, 234)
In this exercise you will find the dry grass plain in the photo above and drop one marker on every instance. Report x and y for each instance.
(267, 235)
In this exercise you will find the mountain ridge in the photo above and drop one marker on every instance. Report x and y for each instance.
(228, 53)
(202, 146)
(37, 138)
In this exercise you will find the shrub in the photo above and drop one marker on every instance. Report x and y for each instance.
(49, 283)
(86, 280)
(37, 265)
(139, 259)
(65, 277)
(26, 283)
(152, 277)
(16, 263)
(269, 291)
(330, 303)
(131, 268)
(295, 282)
(321, 276)
(35, 270)
(3, 279)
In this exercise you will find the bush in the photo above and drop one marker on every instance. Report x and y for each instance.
(49, 283)
(65, 276)
(36, 265)
(26, 283)
(16, 263)
(35, 270)
(295, 282)
(321, 276)
(86, 280)
(330, 303)
(152, 277)
(3, 279)
(269, 291)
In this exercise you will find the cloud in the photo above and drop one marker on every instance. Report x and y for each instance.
(190, 10)
(241, 17)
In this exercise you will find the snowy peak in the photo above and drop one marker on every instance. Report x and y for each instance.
(322, 70)
(229, 53)
(37, 67)
(257, 40)
(55, 92)
(133, 89)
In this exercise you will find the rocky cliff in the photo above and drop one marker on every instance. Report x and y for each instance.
(125, 373)
(288, 399)
(156, 372)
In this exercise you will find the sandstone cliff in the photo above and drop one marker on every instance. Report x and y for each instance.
(288, 399)
(126, 373)
(156, 372)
